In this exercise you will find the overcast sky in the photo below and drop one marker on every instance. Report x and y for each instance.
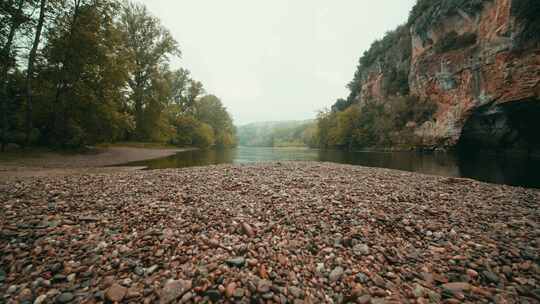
(276, 59)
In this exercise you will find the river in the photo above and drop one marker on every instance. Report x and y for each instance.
(509, 170)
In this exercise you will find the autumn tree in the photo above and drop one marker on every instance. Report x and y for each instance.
(150, 45)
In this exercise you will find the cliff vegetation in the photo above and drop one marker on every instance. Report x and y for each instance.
(454, 64)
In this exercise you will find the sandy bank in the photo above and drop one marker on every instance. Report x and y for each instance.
(54, 164)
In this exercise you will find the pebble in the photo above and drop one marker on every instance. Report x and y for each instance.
(173, 289)
(213, 294)
(295, 291)
(230, 290)
(361, 277)
(335, 274)
(361, 249)
(236, 262)
(263, 286)
(65, 297)
(41, 299)
(322, 233)
(115, 293)
(457, 286)
(239, 292)
(11, 289)
(490, 276)
(25, 295)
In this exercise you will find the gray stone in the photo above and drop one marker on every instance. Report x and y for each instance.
(139, 271)
(236, 262)
(65, 297)
(335, 274)
(151, 269)
(361, 249)
(295, 292)
(361, 277)
(490, 276)
(41, 299)
(239, 292)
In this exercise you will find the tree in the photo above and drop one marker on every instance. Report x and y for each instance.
(150, 45)
(83, 79)
(192, 132)
(30, 69)
(11, 13)
(97, 71)
(211, 111)
(194, 91)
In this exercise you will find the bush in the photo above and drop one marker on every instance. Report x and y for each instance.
(427, 13)
(397, 82)
(373, 124)
(203, 136)
(403, 110)
(191, 132)
(527, 13)
(453, 41)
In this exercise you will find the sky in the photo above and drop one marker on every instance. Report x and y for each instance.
(272, 60)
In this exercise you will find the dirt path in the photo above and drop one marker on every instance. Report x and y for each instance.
(54, 164)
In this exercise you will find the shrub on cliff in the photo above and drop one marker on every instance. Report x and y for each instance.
(454, 41)
(390, 54)
(527, 12)
(427, 13)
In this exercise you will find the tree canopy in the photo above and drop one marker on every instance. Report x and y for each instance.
(80, 72)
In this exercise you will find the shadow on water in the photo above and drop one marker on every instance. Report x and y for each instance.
(510, 170)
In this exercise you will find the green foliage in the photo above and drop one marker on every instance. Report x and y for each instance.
(278, 134)
(396, 82)
(207, 124)
(453, 41)
(210, 110)
(427, 13)
(192, 132)
(391, 55)
(373, 124)
(101, 75)
(341, 104)
(527, 13)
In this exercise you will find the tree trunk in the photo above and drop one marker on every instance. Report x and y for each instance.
(4, 74)
(59, 112)
(30, 70)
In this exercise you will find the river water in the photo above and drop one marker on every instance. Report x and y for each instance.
(510, 170)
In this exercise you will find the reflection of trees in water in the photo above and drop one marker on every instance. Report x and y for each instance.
(507, 170)
(439, 164)
(503, 169)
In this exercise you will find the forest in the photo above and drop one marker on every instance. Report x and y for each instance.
(81, 72)
(300, 133)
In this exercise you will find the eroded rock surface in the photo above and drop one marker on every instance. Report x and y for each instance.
(470, 64)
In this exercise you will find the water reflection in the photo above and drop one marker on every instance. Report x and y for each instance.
(518, 171)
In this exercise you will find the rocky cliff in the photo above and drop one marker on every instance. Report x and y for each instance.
(479, 61)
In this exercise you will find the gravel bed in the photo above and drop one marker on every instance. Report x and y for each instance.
(290, 232)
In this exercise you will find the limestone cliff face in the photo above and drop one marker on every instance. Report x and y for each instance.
(487, 87)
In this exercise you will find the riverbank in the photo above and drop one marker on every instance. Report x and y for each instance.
(302, 232)
(47, 163)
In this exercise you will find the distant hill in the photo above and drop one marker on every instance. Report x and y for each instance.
(277, 133)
